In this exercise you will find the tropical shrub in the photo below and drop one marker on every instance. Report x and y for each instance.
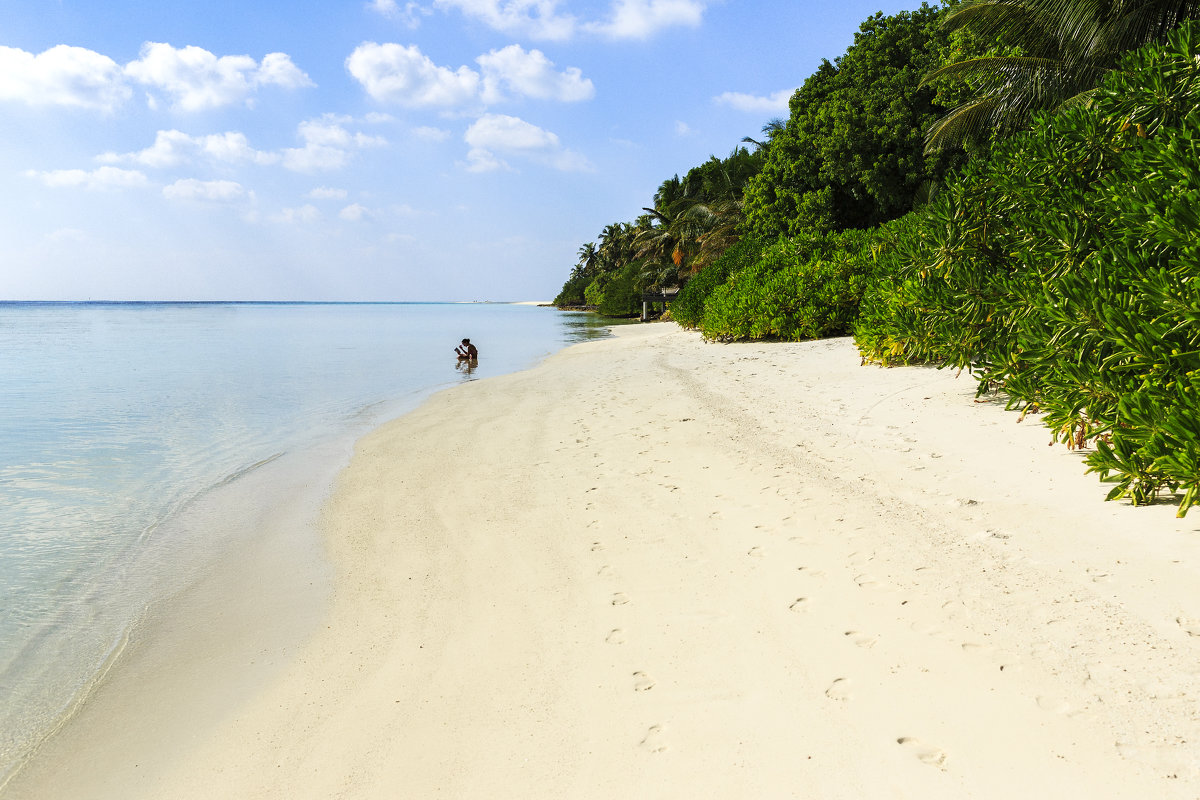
(688, 306)
(593, 295)
(1064, 270)
(572, 293)
(801, 288)
(887, 321)
(622, 296)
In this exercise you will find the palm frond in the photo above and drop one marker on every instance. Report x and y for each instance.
(973, 118)
(985, 66)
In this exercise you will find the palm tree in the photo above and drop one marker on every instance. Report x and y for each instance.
(589, 259)
(772, 129)
(1063, 49)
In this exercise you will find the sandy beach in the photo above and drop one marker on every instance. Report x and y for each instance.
(653, 567)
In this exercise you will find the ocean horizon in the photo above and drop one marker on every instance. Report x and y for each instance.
(145, 439)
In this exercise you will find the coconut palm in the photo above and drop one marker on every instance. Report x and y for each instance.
(772, 129)
(589, 259)
(1059, 50)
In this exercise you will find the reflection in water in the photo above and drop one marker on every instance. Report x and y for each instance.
(467, 367)
(584, 326)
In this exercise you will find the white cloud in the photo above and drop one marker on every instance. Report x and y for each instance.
(538, 19)
(198, 80)
(326, 193)
(431, 134)
(682, 128)
(493, 136)
(409, 16)
(173, 147)
(62, 76)
(641, 19)
(354, 213)
(100, 178)
(405, 76)
(192, 189)
(775, 103)
(481, 160)
(327, 145)
(530, 74)
(305, 214)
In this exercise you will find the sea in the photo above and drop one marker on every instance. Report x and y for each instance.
(126, 430)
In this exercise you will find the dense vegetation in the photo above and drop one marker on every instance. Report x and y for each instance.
(1064, 270)
(1027, 212)
(851, 154)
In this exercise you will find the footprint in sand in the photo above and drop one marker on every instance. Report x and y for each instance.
(926, 754)
(605, 571)
(861, 639)
(1190, 626)
(974, 647)
(615, 636)
(926, 629)
(839, 690)
(620, 599)
(1054, 705)
(866, 581)
(642, 682)
(655, 740)
(800, 605)
(755, 552)
(809, 572)
(597, 547)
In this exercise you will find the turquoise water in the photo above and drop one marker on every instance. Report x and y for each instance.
(116, 418)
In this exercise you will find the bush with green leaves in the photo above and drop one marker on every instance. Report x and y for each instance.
(594, 293)
(1065, 271)
(801, 288)
(622, 295)
(688, 306)
(572, 293)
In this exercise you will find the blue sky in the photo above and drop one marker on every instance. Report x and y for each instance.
(382, 150)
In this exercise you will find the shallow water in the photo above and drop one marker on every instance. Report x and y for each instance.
(118, 420)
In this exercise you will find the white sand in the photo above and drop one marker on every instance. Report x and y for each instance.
(656, 568)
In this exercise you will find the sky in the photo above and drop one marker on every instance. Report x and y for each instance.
(377, 150)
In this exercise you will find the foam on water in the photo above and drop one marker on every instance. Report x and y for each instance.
(130, 433)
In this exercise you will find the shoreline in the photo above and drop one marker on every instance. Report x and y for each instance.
(650, 566)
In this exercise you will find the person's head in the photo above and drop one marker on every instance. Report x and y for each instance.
(466, 341)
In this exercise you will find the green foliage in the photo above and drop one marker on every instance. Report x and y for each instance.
(1045, 54)
(572, 293)
(594, 293)
(688, 307)
(852, 152)
(1065, 270)
(622, 295)
(884, 311)
(801, 288)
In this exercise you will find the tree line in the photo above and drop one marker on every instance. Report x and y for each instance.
(1008, 187)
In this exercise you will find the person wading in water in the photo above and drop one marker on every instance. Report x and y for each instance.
(467, 351)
